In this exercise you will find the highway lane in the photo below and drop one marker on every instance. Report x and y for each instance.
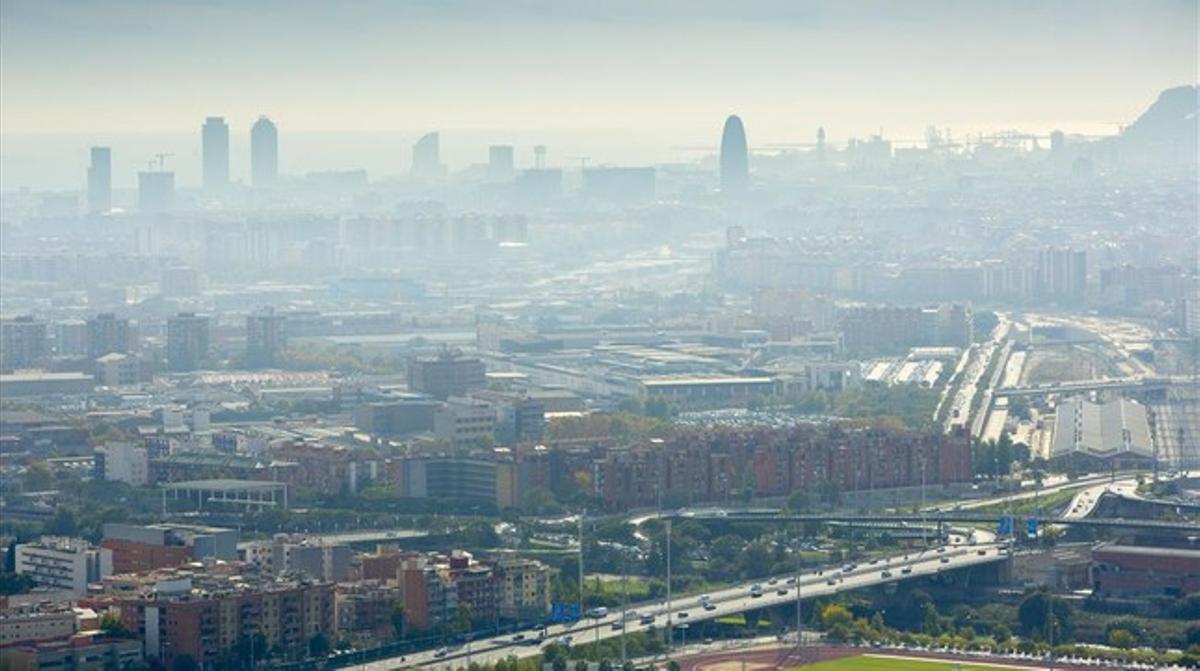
(495, 648)
(728, 601)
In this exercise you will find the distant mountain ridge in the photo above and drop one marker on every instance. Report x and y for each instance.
(1167, 130)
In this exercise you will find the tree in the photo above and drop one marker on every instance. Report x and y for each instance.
(1121, 638)
(931, 624)
(1001, 633)
(755, 560)
(111, 625)
(398, 619)
(1045, 617)
(835, 614)
(63, 523)
(318, 645)
(462, 618)
(15, 583)
(39, 477)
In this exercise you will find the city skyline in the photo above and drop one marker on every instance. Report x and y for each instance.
(784, 68)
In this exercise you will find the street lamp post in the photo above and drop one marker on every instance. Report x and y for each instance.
(670, 636)
(581, 513)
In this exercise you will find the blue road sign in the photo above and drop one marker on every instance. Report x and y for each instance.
(1031, 527)
(564, 612)
(1005, 527)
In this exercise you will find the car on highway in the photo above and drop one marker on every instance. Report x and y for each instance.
(772, 581)
(617, 625)
(831, 581)
(945, 560)
(782, 591)
(885, 574)
(648, 618)
(981, 552)
(791, 581)
(441, 652)
(906, 570)
(597, 612)
(682, 615)
(705, 599)
(756, 591)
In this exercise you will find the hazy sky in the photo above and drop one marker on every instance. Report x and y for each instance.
(584, 74)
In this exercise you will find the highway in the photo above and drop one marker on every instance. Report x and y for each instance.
(728, 601)
(815, 583)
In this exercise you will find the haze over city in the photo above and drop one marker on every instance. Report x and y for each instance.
(622, 83)
(548, 336)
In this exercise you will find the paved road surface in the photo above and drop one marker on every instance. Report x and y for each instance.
(725, 602)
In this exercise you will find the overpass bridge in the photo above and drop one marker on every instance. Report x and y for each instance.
(1139, 384)
(939, 518)
(679, 613)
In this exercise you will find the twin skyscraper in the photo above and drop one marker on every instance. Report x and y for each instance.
(264, 152)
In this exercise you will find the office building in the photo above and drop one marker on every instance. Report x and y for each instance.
(122, 462)
(117, 370)
(63, 563)
(396, 418)
(500, 162)
(464, 420)
(427, 158)
(22, 342)
(106, 334)
(156, 191)
(266, 338)
(735, 159)
(311, 557)
(1062, 275)
(264, 152)
(447, 374)
(187, 341)
(99, 181)
(140, 548)
(446, 477)
(71, 338)
(214, 136)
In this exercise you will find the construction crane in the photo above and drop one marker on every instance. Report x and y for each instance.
(160, 159)
(583, 161)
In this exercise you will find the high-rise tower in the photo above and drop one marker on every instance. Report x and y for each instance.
(427, 158)
(99, 181)
(214, 136)
(264, 152)
(735, 160)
